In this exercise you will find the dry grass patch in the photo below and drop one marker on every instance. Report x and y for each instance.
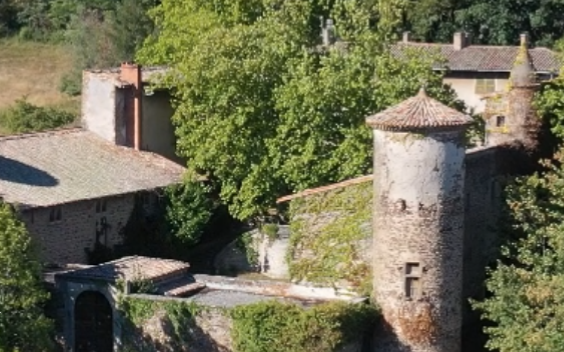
(34, 70)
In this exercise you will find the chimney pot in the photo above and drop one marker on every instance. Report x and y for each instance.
(524, 39)
(460, 40)
(328, 32)
(406, 37)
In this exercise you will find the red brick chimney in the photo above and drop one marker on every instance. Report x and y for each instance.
(131, 73)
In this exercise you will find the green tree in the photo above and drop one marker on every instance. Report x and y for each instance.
(263, 109)
(549, 103)
(189, 208)
(528, 282)
(22, 324)
(104, 33)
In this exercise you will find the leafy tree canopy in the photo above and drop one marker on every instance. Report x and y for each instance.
(262, 109)
(22, 324)
(528, 283)
(495, 22)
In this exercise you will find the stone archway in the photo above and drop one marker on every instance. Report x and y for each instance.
(93, 323)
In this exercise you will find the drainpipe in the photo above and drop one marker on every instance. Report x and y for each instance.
(131, 73)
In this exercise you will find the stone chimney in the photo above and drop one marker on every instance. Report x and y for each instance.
(328, 32)
(460, 40)
(406, 37)
(131, 73)
(524, 40)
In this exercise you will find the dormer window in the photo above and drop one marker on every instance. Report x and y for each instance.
(500, 121)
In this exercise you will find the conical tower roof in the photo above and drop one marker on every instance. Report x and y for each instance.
(418, 113)
(523, 73)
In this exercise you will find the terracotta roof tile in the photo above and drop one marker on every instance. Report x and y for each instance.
(418, 112)
(485, 58)
(327, 188)
(132, 268)
(61, 166)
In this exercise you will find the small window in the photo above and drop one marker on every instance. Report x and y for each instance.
(402, 205)
(101, 206)
(55, 214)
(485, 86)
(500, 121)
(412, 269)
(413, 287)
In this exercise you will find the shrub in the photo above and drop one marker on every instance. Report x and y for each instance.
(25, 117)
(280, 327)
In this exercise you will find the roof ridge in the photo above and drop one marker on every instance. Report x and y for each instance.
(326, 188)
(55, 131)
(480, 46)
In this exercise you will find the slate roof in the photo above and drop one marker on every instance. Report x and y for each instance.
(131, 268)
(485, 58)
(61, 166)
(418, 112)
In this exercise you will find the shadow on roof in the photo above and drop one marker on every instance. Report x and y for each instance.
(14, 171)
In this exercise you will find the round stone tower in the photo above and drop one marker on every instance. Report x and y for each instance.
(510, 116)
(418, 225)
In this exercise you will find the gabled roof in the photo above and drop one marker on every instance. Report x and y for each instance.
(323, 189)
(485, 58)
(418, 112)
(131, 268)
(61, 166)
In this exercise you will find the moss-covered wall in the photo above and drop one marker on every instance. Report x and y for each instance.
(331, 238)
(162, 324)
(155, 323)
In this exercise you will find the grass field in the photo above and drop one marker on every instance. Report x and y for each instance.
(34, 70)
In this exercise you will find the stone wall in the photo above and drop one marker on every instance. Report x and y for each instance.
(177, 329)
(270, 255)
(482, 206)
(79, 228)
(176, 324)
(157, 131)
(103, 106)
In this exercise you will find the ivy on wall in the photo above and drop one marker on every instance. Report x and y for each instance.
(175, 317)
(327, 231)
(281, 327)
(264, 326)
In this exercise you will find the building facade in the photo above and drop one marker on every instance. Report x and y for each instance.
(76, 188)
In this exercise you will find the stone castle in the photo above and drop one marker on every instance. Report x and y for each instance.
(435, 208)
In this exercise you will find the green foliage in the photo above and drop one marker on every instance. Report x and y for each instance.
(104, 34)
(22, 323)
(527, 285)
(495, 22)
(280, 327)
(270, 230)
(549, 104)
(189, 208)
(258, 102)
(177, 319)
(333, 226)
(246, 244)
(26, 117)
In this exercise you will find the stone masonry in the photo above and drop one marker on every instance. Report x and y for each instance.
(79, 228)
(418, 225)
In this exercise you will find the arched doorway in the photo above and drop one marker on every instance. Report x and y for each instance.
(93, 323)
